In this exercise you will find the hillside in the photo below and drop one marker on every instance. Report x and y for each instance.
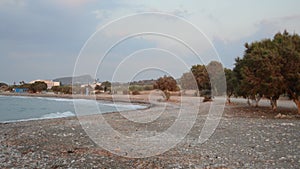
(84, 79)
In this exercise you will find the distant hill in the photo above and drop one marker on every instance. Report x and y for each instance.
(84, 79)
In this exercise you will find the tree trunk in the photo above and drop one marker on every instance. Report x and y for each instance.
(228, 100)
(248, 102)
(273, 103)
(257, 99)
(297, 102)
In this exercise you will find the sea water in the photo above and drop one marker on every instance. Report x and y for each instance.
(19, 108)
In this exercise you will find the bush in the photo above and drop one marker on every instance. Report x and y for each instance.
(148, 87)
(136, 92)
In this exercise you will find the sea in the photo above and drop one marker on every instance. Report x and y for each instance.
(19, 108)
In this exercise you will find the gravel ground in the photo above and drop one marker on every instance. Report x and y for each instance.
(243, 139)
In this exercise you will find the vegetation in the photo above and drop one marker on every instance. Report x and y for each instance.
(166, 84)
(62, 89)
(98, 87)
(201, 76)
(207, 79)
(37, 87)
(270, 68)
(3, 84)
(135, 92)
(106, 86)
(232, 82)
(3, 87)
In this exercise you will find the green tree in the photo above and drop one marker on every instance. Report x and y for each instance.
(3, 87)
(38, 87)
(63, 89)
(3, 84)
(55, 89)
(106, 86)
(261, 73)
(98, 87)
(270, 67)
(289, 50)
(201, 75)
(166, 84)
(231, 83)
(66, 89)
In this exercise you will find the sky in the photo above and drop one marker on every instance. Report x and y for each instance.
(58, 38)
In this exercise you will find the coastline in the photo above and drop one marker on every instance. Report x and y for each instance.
(103, 97)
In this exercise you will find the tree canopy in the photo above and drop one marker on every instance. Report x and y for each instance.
(269, 68)
(166, 84)
(37, 87)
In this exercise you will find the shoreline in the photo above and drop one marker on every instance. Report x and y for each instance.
(105, 99)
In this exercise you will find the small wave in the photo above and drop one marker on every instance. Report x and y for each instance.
(18, 97)
(41, 98)
(55, 99)
(129, 106)
(58, 115)
(46, 116)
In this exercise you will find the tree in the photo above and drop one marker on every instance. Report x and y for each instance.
(98, 87)
(289, 50)
(106, 86)
(55, 89)
(38, 87)
(66, 89)
(166, 84)
(62, 89)
(3, 84)
(231, 82)
(3, 87)
(201, 76)
(210, 79)
(261, 73)
(270, 67)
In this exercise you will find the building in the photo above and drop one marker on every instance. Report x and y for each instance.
(93, 85)
(20, 90)
(49, 83)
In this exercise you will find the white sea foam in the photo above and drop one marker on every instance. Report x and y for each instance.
(126, 106)
(46, 116)
(55, 99)
(19, 97)
(58, 115)
(88, 107)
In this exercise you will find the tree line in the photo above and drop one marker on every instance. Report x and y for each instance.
(35, 87)
(269, 68)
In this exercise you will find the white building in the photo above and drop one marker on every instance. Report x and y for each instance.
(49, 83)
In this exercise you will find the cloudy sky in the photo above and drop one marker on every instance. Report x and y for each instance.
(42, 39)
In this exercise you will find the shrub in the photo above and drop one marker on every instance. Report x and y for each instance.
(136, 92)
